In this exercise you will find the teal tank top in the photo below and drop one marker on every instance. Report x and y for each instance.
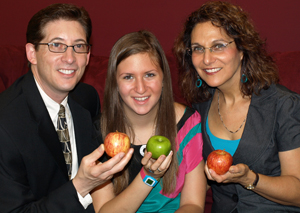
(219, 143)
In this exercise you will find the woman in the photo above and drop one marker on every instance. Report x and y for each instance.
(139, 101)
(227, 75)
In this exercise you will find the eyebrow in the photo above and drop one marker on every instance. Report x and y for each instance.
(62, 40)
(132, 74)
(213, 42)
(153, 70)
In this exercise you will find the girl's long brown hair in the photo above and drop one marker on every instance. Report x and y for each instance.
(257, 65)
(113, 116)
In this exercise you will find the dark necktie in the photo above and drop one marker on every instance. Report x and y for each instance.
(64, 138)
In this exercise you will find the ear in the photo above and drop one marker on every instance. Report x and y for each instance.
(88, 58)
(241, 55)
(31, 53)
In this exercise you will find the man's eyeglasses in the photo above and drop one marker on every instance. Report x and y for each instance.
(217, 48)
(61, 48)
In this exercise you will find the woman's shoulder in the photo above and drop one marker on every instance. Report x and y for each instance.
(284, 92)
(287, 101)
(278, 95)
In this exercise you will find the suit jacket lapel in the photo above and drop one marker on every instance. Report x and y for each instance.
(83, 129)
(45, 126)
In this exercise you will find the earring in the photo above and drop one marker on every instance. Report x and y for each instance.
(198, 82)
(244, 78)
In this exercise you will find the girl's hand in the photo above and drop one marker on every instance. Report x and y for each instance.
(156, 168)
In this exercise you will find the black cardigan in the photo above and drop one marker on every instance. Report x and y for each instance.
(272, 126)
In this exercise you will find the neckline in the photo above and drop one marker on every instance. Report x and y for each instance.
(210, 134)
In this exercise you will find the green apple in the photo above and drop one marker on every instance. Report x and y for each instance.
(158, 145)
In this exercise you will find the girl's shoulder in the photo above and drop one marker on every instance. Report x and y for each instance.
(184, 112)
(179, 110)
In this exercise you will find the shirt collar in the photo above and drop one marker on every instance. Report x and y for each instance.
(52, 106)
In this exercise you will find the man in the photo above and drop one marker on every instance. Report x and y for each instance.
(33, 168)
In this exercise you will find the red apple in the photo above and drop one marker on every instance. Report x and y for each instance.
(219, 161)
(158, 145)
(116, 142)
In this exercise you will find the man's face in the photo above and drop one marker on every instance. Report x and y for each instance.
(58, 73)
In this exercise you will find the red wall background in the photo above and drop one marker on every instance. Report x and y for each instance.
(276, 20)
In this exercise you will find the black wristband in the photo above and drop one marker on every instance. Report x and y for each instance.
(256, 179)
(253, 185)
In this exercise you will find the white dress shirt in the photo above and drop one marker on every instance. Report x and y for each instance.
(53, 109)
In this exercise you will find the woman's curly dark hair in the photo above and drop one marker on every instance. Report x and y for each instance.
(257, 65)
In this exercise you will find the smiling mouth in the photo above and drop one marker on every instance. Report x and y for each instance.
(142, 99)
(66, 71)
(212, 70)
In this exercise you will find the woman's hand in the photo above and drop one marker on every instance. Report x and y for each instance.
(156, 168)
(236, 174)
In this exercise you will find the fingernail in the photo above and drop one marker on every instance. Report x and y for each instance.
(121, 154)
(170, 152)
(162, 157)
(101, 147)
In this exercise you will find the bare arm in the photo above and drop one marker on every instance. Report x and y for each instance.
(284, 189)
(194, 191)
(105, 201)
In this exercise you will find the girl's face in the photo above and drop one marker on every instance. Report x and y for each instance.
(140, 83)
(221, 64)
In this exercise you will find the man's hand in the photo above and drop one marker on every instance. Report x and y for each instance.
(93, 173)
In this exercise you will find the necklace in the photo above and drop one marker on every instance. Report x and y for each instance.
(222, 119)
(152, 134)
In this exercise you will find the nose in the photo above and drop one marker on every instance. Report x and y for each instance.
(140, 86)
(208, 57)
(69, 55)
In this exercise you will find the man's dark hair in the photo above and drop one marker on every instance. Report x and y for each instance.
(56, 12)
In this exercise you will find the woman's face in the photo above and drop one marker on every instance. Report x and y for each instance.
(140, 83)
(220, 68)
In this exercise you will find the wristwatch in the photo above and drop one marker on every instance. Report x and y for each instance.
(148, 180)
(253, 185)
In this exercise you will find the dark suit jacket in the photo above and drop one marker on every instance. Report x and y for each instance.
(272, 126)
(33, 174)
